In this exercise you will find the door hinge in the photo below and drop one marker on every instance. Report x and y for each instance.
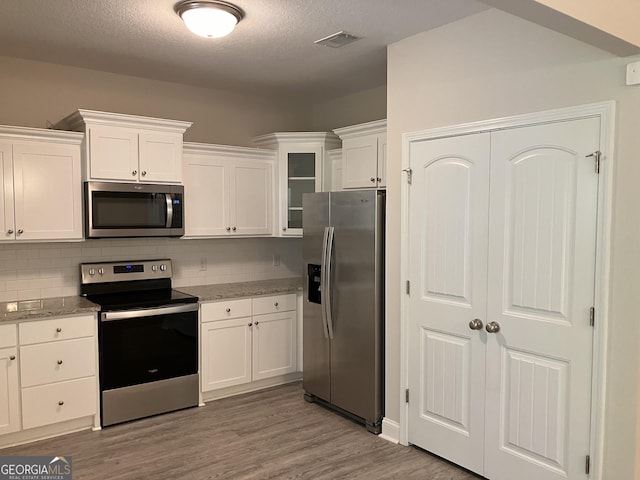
(597, 154)
(592, 316)
(409, 174)
(406, 395)
(587, 464)
(408, 287)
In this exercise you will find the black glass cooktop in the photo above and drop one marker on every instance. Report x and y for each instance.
(141, 299)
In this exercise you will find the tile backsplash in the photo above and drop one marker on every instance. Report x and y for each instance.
(44, 270)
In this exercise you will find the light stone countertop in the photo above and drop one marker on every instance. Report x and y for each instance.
(46, 307)
(222, 291)
(63, 306)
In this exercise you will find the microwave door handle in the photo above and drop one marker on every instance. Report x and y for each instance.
(169, 199)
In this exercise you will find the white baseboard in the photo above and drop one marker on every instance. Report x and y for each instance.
(390, 431)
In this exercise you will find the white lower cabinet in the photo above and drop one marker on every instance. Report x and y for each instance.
(247, 340)
(9, 387)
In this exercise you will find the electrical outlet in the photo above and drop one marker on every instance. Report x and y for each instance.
(203, 264)
(276, 260)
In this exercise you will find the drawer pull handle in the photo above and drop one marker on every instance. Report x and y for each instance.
(59, 330)
(60, 403)
(275, 304)
(59, 362)
(228, 310)
(12, 357)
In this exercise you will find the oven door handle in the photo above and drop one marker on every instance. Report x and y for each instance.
(148, 312)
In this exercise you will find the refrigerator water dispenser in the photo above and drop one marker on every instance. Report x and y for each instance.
(313, 276)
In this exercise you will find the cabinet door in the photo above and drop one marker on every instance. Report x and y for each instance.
(160, 157)
(48, 198)
(7, 223)
(206, 193)
(250, 199)
(382, 160)
(226, 353)
(113, 153)
(9, 391)
(274, 344)
(301, 172)
(360, 162)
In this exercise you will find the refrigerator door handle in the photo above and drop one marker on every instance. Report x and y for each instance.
(328, 286)
(323, 283)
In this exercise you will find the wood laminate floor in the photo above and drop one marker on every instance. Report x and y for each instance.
(269, 434)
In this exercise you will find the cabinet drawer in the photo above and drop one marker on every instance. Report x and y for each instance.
(57, 361)
(274, 304)
(8, 337)
(226, 309)
(58, 402)
(62, 328)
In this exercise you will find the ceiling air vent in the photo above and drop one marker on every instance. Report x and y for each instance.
(337, 40)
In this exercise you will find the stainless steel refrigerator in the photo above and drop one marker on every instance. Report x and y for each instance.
(343, 322)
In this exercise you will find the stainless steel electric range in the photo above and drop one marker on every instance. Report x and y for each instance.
(147, 336)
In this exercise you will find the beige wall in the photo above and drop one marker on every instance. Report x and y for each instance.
(34, 93)
(360, 107)
(494, 65)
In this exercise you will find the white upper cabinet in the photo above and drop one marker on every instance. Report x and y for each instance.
(364, 155)
(302, 168)
(41, 185)
(228, 191)
(128, 148)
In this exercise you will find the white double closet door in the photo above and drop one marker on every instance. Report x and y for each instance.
(503, 230)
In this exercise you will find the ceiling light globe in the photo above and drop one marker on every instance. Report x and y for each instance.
(209, 18)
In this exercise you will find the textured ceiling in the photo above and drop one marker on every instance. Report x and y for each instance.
(271, 51)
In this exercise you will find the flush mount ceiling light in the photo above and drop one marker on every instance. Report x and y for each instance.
(209, 18)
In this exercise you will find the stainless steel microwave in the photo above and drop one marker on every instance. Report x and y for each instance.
(133, 210)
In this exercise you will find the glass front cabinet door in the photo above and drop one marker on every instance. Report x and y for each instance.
(302, 168)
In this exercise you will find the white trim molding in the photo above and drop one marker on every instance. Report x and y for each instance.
(605, 111)
(390, 431)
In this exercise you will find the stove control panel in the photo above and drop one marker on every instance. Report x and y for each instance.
(125, 271)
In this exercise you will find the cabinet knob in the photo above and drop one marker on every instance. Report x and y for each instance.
(59, 330)
(257, 323)
(59, 362)
(134, 173)
(379, 179)
(12, 357)
(143, 172)
(228, 310)
(60, 403)
(20, 231)
(250, 325)
(373, 179)
(284, 229)
(9, 232)
(234, 229)
(275, 304)
(228, 229)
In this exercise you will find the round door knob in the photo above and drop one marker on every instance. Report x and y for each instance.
(257, 323)
(275, 304)
(476, 324)
(12, 357)
(228, 229)
(234, 229)
(60, 403)
(59, 362)
(143, 173)
(20, 231)
(228, 310)
(59, 330)
(493, 327)
(250, 324)
(135, 172)
(9, 232)
(373, 179)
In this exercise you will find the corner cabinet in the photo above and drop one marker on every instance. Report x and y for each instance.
(129, 148)
(364, 155)
(228, 191)
(301, 168)
(41, 185)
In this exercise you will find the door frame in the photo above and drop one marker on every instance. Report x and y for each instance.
(605, 111)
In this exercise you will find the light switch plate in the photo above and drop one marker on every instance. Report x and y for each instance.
(633, 73)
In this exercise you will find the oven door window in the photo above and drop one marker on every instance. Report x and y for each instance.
(129, 210)
(147, 349)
